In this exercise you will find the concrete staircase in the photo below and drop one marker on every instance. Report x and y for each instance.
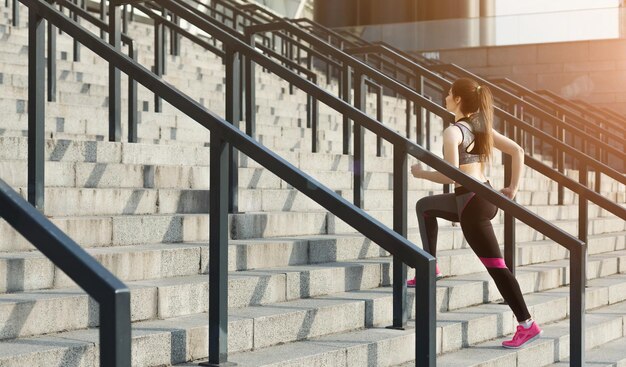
(304, 288)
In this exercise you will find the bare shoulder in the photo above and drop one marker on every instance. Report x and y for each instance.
(452, 134)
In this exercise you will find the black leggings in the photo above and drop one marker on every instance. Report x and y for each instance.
(474, 214)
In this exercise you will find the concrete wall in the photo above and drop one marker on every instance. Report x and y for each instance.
(591, 70)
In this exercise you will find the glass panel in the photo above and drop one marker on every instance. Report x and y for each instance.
(579, 25)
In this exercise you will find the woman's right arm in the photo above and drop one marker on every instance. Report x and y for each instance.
(516, 152)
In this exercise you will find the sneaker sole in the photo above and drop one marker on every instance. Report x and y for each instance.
(525, 343)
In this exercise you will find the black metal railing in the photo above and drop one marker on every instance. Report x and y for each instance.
(114, 114)
(389, 60)
(444, 84)
(578, 114)
(15, 12)
(224, 134)
(614, 208)
(519, 125)
(112, 295)
(303, 85)
(610, 121)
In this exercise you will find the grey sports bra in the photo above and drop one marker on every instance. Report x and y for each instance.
(465, 156)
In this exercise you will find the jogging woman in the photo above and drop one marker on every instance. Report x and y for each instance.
(467, 144)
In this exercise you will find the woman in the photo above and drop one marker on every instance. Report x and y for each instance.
(467, 144)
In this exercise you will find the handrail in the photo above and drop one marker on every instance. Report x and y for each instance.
(192, 37)
(404, 59)
(234, 8)
(588, 110)
(605, 169)
(102, 25)
(615, 209)
(112, 295)
(403, 145)
(420, 71)
(610, 113)
(573, 112)
(348, 60)
(541, 96)
(224, 133)
(592, 109)
(132, 51)
(445, 84)
(239, 35)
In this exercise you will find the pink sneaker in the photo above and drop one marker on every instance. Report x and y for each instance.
(523, 336)
(411, 282)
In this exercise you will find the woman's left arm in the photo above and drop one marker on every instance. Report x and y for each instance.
(451, 139)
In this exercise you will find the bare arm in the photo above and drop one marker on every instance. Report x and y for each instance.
(451, 139)
(516, 152)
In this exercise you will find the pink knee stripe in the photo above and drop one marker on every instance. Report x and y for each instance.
(493, 262)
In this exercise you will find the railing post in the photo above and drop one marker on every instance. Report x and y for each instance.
(175, 38)
(425, 315)
(250, 90)
(419, 120)
(102, 17)
(346, 91)
(158, 60)
(75, 44)
(328, 68)
(124, 18)
(560, 162)
(408, 111)
(132, 100)
(400, 175)
(115, 334)
(427, 123)
(52, 63)
(359, 139)
(604, 158)
(379, 117)
(36, 110)
(16, 13)
(578, 276)
(115, 99)
(218, 252)
(446, 187)
(509, 220)
(233, 115)
(163, 43)
(582, 203)
(313, 115)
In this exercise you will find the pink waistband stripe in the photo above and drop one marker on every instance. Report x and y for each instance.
(493, 262)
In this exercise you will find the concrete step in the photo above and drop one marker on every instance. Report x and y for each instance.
(180, 296)
(610, 354)
(179, 259)
(602, 325)
(118, 175)
(385, 347)
(169, 228)
(254, 327)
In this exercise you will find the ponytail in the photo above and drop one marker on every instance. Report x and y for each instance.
(484, 138)
(477, 100)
